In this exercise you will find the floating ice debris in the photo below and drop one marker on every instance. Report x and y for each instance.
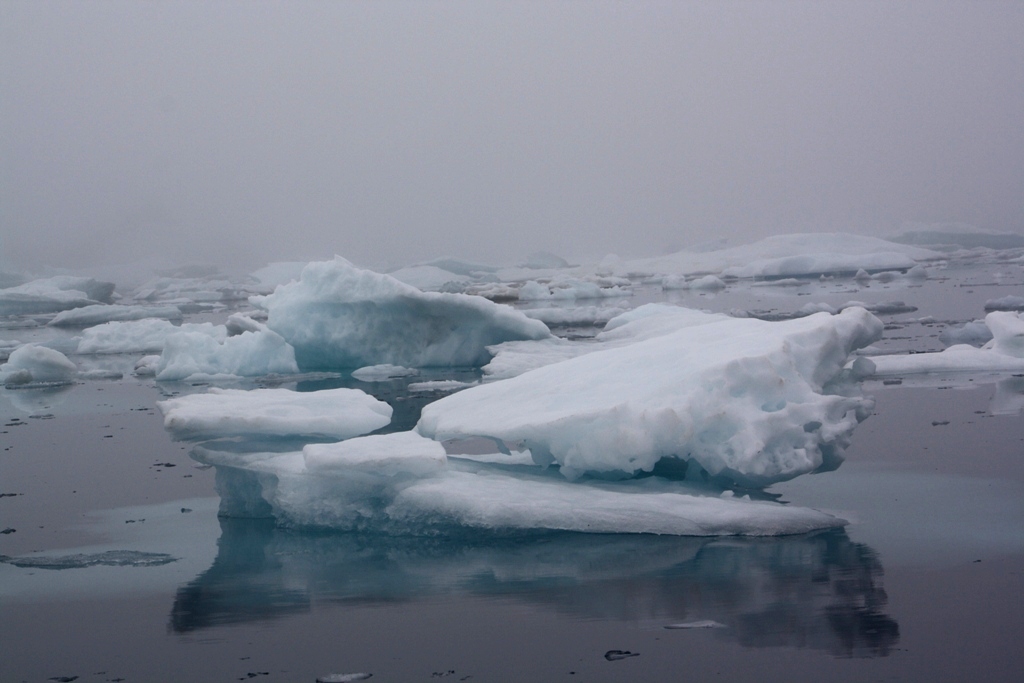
(237, 323)
(32, 364)
(147, 366)
(1004, 353)
(332, 413)
(702, 623)
(343, 678)
(567, 289)
(110, 558)
(616, 655)
(103, 313)
(140, 336)
(382, 373)
(439, 385)
(707, 283)
(338, 316)
(741, 398)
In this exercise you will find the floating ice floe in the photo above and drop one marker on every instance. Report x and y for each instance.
(403, 483)
(742, 399)
(1006, 303)
(382, 373)
(32, 364)
(54, 294)
(332, 413)
(974, 333)
(101, 313)
(431, 278)
(338, 316)
(1004, 353)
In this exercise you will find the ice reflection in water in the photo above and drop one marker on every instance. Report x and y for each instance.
(819, 591)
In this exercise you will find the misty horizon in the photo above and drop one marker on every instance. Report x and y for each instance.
(390, 133)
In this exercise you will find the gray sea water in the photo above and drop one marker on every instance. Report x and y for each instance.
(117, 567)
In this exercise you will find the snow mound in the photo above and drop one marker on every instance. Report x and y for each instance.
(332, 413)
(101, 313)
(32, 364)
(741, 398)
(338, 316)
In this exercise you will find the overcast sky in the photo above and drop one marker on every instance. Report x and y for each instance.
(245, 132)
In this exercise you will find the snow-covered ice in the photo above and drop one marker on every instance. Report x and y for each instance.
(338, 316)
(741, 398)
(332, 413)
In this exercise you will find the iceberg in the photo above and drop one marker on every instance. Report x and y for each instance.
(50, 295)
(250, 354)
(33, 364)
(101, 313)
(338, 316)
(331, 413)
(744, 399)
(140, 336)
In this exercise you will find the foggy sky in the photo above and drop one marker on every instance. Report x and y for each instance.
(245, 132)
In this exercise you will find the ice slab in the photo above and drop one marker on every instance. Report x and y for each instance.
(431, 278)
(741, 398)
(382, 373)
(53, 294)
(339, 316)
(331, 413)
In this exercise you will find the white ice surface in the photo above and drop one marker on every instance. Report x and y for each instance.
(102, 313)
(331, 413)
(387, 455)
(740, 397)
(339, 316)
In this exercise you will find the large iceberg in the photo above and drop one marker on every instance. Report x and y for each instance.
(332, 413)
(339, 316)
(745, 400)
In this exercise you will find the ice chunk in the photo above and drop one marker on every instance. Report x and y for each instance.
(742, 398)
(339, 316)
(237, 323)
(102, 313)
(439, 385)
(110, 558)
(707, 283)
(974, 333)
(37, 364)
(331, 413)
(140, 336)
(582, 315)
(700, 623)
(567, 289)
(382, 373)
(249, 354)
(1007, 333)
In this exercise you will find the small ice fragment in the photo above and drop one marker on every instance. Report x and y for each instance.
(343, 678)
(110, 558)
(616, 655)
(700, 623)
(382, 373)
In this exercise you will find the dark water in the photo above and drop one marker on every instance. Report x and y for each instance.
(925, 584)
